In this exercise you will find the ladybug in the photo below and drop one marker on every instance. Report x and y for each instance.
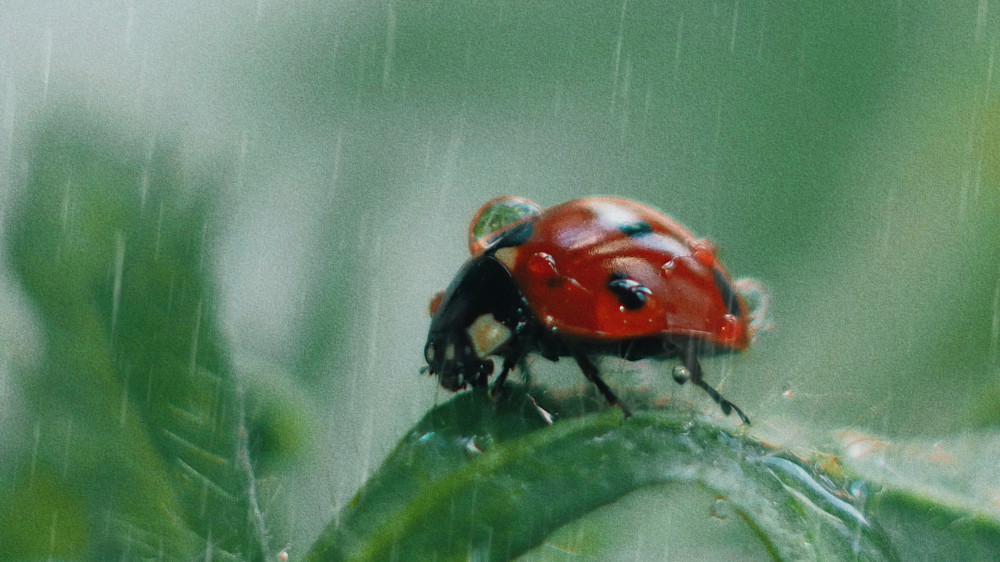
(590, 277)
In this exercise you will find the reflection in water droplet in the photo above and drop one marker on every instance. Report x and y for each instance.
(687, 427)
(681, 374)
(858, 490)
(470, 445)
(721, 509)
(786, 390)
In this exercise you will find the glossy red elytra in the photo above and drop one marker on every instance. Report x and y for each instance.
(593, 276)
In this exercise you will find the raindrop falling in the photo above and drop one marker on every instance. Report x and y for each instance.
(64, 212)
(124, 405)
(981, 19)
(159, 230)
(9, 114)
(46, 69)
(626, 86)
(34, 453)
(116, 293)
(732, 31)
(192, 365)
(618, 54)
(677, 49)
(335, 172)
(144, 179)
(143, 187)
(66, 448)
(52, 533)
(760, 37)
(390, 45)
(129, 24)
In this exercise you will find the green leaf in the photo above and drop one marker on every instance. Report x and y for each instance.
(139, 445)
(487, 480)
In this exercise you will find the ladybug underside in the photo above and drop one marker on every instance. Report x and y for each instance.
(628, 287)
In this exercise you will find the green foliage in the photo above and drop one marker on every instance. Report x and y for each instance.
(143, 442)
(138, 419)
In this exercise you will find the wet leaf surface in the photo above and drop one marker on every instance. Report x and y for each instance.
(485, 480)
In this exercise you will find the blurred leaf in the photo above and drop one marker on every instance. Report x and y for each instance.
(937, 497)
(139, 441)
(484, 480)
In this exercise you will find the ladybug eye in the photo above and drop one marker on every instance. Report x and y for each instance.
(495, 216)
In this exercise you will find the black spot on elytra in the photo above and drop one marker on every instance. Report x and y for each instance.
(634, 229)
(629, 292)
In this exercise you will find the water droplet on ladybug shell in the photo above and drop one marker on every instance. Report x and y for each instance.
(704, 252)
(542, 266)
(667, 271)
(495, 216)
(729, 325)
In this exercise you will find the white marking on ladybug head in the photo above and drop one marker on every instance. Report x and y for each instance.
(449, 352)
(487, 334)
(507, 256)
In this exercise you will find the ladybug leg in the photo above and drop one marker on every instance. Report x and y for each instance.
(522, 366)
(590, 371)
(694, 368)
(513, 358)
(497, 387)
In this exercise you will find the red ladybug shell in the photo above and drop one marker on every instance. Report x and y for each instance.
(563, 271)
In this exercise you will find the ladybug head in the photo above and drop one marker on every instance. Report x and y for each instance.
(479, 315)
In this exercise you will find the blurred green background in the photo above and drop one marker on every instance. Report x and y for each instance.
(847, 156)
